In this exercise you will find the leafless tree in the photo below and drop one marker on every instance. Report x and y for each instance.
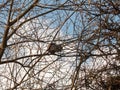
(60, 44)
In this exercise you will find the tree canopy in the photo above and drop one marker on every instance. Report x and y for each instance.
(85, 40)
